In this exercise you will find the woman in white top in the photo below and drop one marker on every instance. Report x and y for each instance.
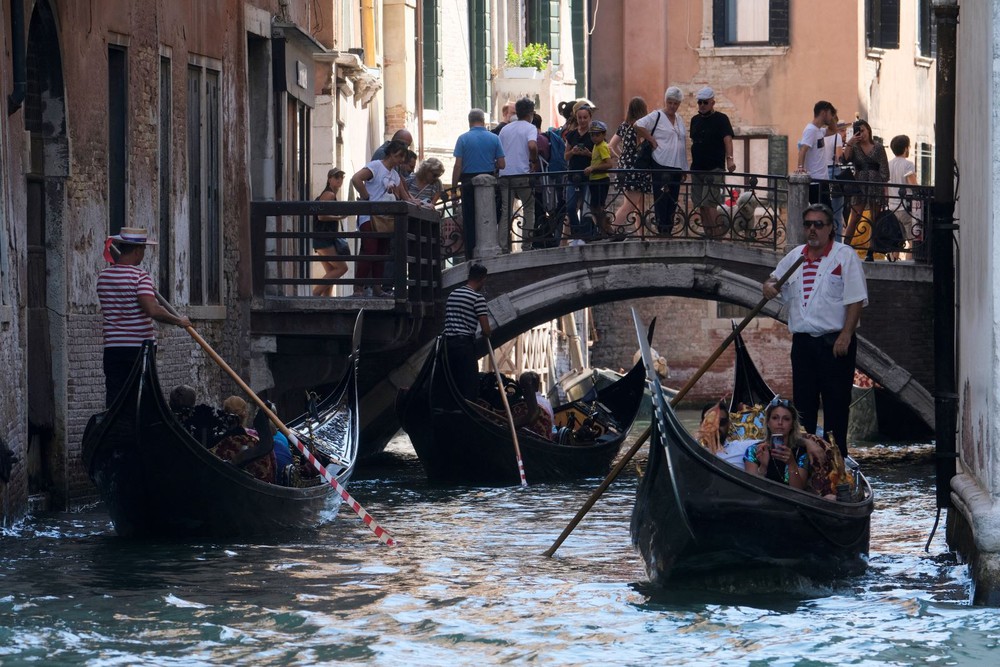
(377, 181)
(665, 130)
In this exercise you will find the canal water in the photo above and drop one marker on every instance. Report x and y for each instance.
(468, 585)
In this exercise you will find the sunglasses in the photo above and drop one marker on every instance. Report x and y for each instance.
(818, 224)
(781, 402)
(700, 102)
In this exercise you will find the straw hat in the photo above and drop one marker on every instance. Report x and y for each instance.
(133, 235)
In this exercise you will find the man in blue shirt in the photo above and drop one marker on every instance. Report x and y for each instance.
(478, 151)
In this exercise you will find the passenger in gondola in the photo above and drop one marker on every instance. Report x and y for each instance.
(535, 413)
(713, 435)
(242, 447)
(284, 465)
(181, 401)
(790, 456)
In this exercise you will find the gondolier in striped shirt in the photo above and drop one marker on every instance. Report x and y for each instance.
(824, 300)
(464, 312)
(129, 306)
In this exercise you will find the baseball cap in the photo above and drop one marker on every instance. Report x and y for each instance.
(705, 93)
(598, 126)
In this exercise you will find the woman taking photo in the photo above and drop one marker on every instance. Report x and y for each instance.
(635, 184)
(871, 166)
(330, 246)
(789, 456)
(377, 181)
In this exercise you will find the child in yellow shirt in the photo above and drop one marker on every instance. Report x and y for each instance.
(597, 172)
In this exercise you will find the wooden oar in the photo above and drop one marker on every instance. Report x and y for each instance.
(510, 415)
(381, 533)
(599, 491)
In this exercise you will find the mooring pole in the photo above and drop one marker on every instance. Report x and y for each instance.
(942, 238)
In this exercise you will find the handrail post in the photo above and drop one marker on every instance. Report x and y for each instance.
(484, 190)
(798, 200)
(399, 255)
(257, 252)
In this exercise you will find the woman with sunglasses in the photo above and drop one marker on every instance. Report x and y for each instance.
(789, 456)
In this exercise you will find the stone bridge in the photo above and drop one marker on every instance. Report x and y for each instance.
(528, 288)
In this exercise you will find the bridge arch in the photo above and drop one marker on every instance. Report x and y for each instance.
(530, 305)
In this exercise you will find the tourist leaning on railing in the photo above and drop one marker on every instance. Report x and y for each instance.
(377, 181)
(665, 131)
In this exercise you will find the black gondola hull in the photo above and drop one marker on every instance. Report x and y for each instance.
(457, 443)
(695, 514)
(157, 480)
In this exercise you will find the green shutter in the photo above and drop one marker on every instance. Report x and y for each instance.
(578, 20)
(543, 25)
(480, 61)
(432, 54)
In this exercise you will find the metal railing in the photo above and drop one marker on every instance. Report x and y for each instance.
(282, 240)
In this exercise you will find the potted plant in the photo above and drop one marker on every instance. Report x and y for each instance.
(528, 64)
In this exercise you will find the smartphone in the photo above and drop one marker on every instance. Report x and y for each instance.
(777, 440)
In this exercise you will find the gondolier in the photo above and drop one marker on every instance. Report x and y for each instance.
(129, 306)
(824, 298)
(464, 311)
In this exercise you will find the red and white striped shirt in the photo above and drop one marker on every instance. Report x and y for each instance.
(809, 269)
(119, 288)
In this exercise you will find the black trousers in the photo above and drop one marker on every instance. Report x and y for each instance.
(818, 375)
(462, 361)
(666, 190)
(118, 363)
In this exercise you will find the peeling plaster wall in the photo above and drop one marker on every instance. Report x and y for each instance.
(978, 282)
(13, 326)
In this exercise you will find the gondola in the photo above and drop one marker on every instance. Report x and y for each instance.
(158, 480)
(459, 442)
(696, 515)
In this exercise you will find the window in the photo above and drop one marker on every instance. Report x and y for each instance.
(433, 72)
(542, 25)
(117, 137)
(166, 240)
(882, 24)
(750, 22)
(480, 53)
(926, 29)
(925, 164)
(204, 151)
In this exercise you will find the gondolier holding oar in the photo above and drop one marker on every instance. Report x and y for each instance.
(463, 312)
(824, 302)
(129, 306)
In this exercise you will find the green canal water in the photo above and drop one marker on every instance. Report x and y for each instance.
(468, 585)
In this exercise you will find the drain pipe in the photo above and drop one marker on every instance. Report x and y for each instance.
(16, 98)
(943, 226)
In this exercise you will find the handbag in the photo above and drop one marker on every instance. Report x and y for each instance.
(846, 185)
(644, 154)
(383, 223)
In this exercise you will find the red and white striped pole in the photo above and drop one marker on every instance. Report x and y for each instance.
(381, 533)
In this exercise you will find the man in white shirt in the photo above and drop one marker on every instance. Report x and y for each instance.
(812, 157)
(824, 299)
(520, 147)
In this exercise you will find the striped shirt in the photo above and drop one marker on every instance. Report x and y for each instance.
(118, 289)
(462, 312)
(810, 268)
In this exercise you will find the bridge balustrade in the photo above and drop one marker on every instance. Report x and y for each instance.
(285, 266)
(750, 209)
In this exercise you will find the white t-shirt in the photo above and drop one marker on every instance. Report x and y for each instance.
(732, 452)
(830, 146)
(514, 138)
(899, 169)
(839, 282)
(671, 139)
(815, 161)
(382, 182)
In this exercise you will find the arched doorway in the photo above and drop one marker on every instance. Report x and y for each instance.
(45, 122)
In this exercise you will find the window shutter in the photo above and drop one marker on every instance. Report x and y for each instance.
(889, 25)
(479, 54)
(719, 22)
(432, 54)
(779, 22)
(578, 21)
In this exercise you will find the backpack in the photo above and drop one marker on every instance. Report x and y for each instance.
(888, 233)
(557, 156)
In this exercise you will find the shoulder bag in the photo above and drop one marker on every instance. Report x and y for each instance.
(644, 155)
